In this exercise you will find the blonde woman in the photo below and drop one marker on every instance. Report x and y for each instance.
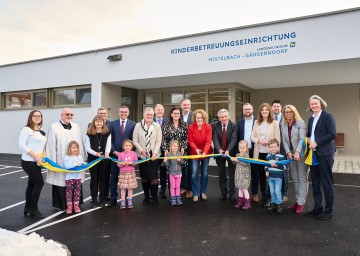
(293, 133)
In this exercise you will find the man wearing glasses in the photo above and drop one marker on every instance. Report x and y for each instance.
(103, 112)
(245, 127)
(121, 129)
(59, 136)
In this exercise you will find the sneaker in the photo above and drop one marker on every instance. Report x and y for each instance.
(195, 199)
(279, 209)
(122, 204)
(271, 207)
(130, 204)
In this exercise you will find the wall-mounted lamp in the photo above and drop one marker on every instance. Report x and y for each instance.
(115, 57)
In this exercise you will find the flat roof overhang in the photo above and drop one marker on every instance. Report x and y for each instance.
(309, 74)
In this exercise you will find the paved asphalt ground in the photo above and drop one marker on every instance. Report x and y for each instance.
(207, 228)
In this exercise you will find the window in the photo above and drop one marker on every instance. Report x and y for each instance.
(27, 99)
(73, 96)
(219, 94)
(196, 95)
(172, 97)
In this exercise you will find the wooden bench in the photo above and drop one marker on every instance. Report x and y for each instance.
(339, 141)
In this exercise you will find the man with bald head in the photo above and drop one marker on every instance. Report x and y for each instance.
(59, 136)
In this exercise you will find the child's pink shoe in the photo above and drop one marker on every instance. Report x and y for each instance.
(122, 204)
(69, 208)
(130, 204)
(76, 207)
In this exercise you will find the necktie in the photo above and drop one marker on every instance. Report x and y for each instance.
(122, 127)
(223, 144)
(276, 118)
(160, 121)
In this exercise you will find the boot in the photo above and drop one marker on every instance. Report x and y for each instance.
(178, 200)
(240, 202)
(146, 187)
(76, 207)
(69, 208)
(247, 204)
(154, 191)
(173, 200)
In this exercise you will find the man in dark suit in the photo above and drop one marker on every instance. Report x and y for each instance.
(245, 127)
(224, 138)
(159, 118)
(121, 129)
(322, 132)
(186, 116)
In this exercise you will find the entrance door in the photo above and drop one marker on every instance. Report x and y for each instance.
(128, 98)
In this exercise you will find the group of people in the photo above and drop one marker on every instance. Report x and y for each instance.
(275, 134)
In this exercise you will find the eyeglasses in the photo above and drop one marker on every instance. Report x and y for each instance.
(68, 114)
(36, 116)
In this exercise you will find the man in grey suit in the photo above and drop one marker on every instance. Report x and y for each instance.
(224, 138)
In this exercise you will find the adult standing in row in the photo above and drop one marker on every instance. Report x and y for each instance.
(224, 136)
(175, 129)
(59, 136)
(159, 118)
(245, 127)
(293, 134)
(200, 137)
(32, 142)
(265, 129)
(98, 144)
(322, 132)
(186, 116)
(121, 129)
(103, 112)
(147, 138)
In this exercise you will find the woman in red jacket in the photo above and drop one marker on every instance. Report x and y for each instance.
(199, 137)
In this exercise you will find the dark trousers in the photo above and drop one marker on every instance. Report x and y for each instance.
(262, 178)
(163, 177)
(186, 179)
(35, 184)
(221, 163)
(321, 177)
(99, 174)
(254, 175)
(114, 178)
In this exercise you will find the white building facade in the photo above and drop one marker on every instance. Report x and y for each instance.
(288, 60)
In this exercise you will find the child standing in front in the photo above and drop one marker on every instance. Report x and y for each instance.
(242, 177)
(127, 179)
(275, 173)
(174, 166)
(73, 179)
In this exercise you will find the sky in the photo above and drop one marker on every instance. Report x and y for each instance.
(45, 28)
